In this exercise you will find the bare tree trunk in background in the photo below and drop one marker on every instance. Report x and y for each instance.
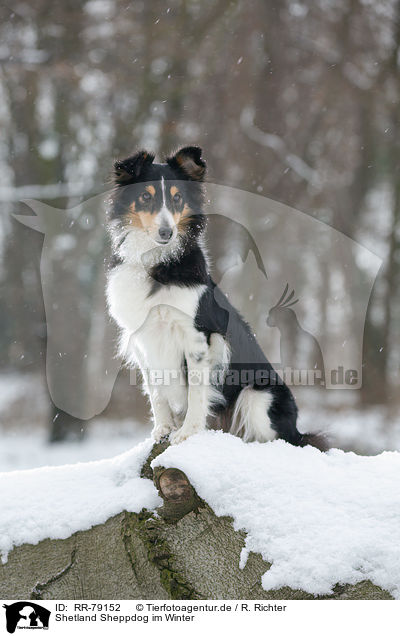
(388, 391)
(379, 386)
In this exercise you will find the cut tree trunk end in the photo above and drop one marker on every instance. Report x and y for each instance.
(178, 494)
(174, 488)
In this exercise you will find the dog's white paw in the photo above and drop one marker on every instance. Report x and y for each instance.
(183, 433)
(161, 431)
(179, 436)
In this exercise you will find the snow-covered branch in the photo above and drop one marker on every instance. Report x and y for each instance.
(275, 143)
(51, 191)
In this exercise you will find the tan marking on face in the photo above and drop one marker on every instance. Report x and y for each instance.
(151, 189)
(174, 190)
(184, 220)
(131, 218)
(177, 216)
(143, 220)
(147, 220)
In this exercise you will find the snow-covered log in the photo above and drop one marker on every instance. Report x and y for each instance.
(229, 521)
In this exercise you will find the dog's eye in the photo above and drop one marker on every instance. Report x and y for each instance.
(146, 196)
(177, 198)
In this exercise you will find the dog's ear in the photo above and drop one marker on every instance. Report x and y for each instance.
(188, 161)
(129, 170)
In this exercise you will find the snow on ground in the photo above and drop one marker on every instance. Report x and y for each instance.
(320, 519)
(367, 432)
(13, 387)
(22, 449)
(54, 502)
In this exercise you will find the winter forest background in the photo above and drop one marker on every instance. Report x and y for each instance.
(297, 101)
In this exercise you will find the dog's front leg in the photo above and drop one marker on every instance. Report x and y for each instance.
(162, 416)
(196, 354)
(163, 422)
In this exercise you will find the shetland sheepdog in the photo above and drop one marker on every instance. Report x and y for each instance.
(200, 361)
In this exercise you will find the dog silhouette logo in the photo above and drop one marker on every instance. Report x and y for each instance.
(26, 615)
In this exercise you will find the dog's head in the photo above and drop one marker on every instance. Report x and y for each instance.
(163, 200)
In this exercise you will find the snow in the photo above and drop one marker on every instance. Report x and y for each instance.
(320, 519)
(368, 432)
(12, 388)
(26, 449)
(54, 502)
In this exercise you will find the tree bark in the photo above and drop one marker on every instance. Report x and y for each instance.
(184, 551)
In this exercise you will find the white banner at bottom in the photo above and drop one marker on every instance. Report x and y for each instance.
(149, 617)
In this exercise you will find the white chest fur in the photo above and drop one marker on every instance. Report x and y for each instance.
(158, 334)
(157, 326)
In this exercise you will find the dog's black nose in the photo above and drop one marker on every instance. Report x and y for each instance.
(165, 233)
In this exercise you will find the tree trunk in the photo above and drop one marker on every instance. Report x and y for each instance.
(183, 552)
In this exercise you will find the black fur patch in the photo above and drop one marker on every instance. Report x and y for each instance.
(187, 270)
(129, 170)
(188, 163)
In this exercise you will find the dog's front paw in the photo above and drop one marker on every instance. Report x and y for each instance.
(160, 431)
(183, 433)
(179, 436)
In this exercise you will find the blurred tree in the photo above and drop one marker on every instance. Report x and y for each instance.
(296, 100)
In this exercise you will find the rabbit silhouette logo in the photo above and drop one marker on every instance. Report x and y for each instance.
(26, 615)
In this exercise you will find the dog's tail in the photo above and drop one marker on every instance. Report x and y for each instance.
(249, 418)
(318, 440)
(251, 422)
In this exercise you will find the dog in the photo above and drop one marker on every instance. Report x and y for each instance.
(173, 318)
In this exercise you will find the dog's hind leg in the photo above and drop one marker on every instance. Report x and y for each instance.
(283, 417)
